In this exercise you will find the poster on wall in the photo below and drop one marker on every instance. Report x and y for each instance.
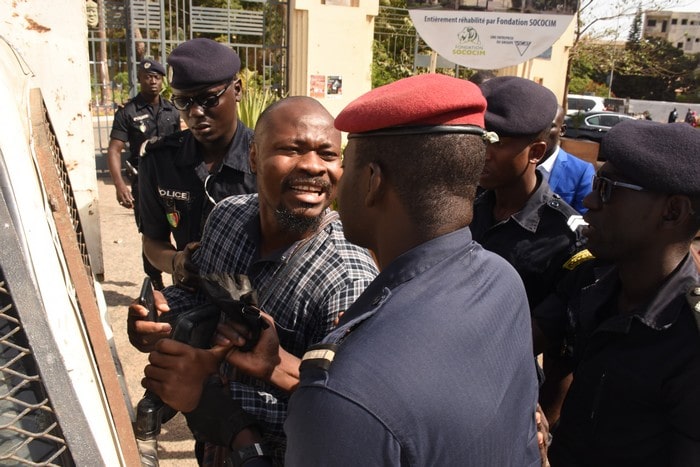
(317, 86)
(334, 86)
(491, 34)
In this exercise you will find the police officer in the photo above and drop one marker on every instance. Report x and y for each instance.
(632, 320)
(431, 364)
(184, 175)
(146, 115)
(518, 216)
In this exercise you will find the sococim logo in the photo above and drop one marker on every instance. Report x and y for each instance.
(469, 43)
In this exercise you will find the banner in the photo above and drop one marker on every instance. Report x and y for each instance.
(489, 38)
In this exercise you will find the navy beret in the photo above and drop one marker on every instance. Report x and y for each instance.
(517, 106)
(151, 66)
(663, 157)
(201, 62)
(422, 101)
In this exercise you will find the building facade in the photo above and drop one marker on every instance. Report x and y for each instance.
(682, 29)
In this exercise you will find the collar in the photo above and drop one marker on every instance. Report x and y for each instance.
(547, 166)
(406, 267)
(236, 154)
(140, 103)
(659, 313)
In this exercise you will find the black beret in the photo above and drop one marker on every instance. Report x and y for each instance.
(517, 106)
(201, 62)
(419, 101)
(663, 157)
(151, 66)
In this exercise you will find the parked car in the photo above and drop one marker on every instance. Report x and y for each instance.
(592, 125)
(578, 103)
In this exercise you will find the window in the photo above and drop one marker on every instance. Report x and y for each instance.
(684, 22)
(679, 45)
(674, 21)
(651, 23)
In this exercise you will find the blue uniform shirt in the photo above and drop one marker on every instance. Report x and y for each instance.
(433, 367)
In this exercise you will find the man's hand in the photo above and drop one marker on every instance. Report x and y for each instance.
(124, 196)
(177, 372)
(266, 361)
(185, 272)
(144, 334)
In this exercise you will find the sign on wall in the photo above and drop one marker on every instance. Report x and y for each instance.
(491, 34)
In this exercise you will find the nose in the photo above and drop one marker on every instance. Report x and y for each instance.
(311, 163)
(195, 110)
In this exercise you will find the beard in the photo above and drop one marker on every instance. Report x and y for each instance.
(296, 223)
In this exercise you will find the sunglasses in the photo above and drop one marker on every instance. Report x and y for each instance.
(205, 101)
(604, 187)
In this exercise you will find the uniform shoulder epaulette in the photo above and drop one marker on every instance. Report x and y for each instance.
(319, 356)
(161, 142)
(577, 259)
(693, 296)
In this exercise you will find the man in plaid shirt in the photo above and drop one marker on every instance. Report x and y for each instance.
(292, 247)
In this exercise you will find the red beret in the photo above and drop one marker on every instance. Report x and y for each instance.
(423, 100)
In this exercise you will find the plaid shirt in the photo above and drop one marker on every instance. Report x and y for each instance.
(303, 288)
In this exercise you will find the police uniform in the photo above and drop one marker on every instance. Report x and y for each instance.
(178, 191)
(136, 122)
(541, 241)
(432, 364)
(634, 400)
(422, 370)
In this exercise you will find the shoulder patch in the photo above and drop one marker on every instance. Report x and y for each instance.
(578, 259)
(575, 222)
(157, 143)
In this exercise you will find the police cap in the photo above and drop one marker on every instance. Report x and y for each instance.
(428, 103)
(201, 62)
(518, 106)
(662, 157)
(148, 65)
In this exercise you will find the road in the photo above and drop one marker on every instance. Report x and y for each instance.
(121, 247)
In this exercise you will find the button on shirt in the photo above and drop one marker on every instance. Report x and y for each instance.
(434, 367)
(303, 288)
(537, 241)
(178, 191)
(138, 121)
(634, 400)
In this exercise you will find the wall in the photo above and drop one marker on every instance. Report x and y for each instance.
(51, 36)
(331, 40)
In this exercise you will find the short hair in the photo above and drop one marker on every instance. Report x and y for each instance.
(430, 172)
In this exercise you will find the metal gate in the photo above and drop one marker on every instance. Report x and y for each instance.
(129, 30)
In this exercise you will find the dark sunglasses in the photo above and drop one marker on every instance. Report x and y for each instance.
(205, 101)
(604, 187)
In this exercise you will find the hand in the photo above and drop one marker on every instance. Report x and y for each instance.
(124, 196)
(261, 361)
(185, 272)
(177, 372)
(144, 334)
(544, 438)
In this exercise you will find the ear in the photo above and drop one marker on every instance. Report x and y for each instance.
(238, 88)
(536, 152)
(376, 184)
(252, 154)
(677, 210)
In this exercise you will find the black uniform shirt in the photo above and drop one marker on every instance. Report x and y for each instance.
(138, 121)
(635, 397)
(538, 241)
(177, 190)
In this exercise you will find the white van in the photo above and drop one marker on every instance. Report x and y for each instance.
(577, 103)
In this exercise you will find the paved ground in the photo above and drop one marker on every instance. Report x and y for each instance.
(121, 247)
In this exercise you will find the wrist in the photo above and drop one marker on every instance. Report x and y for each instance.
(253, 455)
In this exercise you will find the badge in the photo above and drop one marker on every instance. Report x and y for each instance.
(173, 218)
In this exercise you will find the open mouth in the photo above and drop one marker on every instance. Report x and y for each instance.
(309, 190)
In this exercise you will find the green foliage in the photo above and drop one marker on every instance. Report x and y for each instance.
(255, 98)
